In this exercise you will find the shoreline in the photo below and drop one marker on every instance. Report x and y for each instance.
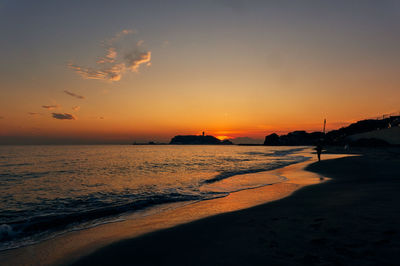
(71, 246)
(351, 220)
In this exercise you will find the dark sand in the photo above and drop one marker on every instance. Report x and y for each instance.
(354, 219)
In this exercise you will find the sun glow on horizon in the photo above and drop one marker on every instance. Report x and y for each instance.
(223, 137)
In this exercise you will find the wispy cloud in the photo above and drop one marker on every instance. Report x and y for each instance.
(64, 116)
(34, 114)
(74, 95)
(76, 108)
(110, 56)
(116, 61)
(118, 36)
(134, 60)
(111, 73)
(50, 107)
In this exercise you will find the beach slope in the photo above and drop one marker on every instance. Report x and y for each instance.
(351, 219)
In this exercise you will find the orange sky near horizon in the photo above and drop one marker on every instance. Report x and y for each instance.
(247, 70)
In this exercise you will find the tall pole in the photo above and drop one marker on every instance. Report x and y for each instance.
(324, 125)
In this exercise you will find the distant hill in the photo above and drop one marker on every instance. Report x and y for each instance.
(198, 140)
(343, 135)
(389, 135)
(293, 138)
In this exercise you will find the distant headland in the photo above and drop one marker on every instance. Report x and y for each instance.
(369, 132)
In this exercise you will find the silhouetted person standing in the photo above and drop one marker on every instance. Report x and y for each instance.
(319, 151)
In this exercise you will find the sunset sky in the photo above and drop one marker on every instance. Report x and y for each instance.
(124, 71)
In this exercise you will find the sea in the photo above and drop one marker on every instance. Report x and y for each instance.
(46, 191)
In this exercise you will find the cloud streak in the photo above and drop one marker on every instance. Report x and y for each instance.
(116, 61)
(74, 95)
(110, 56)
(64, 116)
(134, 61)
(110, 73)
(76, 108)
(34, 114)
(50, 107)
(118, 36)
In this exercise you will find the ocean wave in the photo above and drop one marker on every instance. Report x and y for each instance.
(45, 224)
(32, 175)
(272, 166)
(16, 164)
(277, 153)
(51, 197)
(6, 232)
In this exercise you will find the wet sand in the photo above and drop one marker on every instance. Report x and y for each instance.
(352, 219)
(72, 246)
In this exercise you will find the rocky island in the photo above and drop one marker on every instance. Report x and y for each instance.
(198, 140)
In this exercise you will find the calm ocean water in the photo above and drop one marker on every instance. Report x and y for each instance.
(48, 190)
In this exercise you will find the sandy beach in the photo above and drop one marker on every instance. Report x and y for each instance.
(351, 220)
(71, 246)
